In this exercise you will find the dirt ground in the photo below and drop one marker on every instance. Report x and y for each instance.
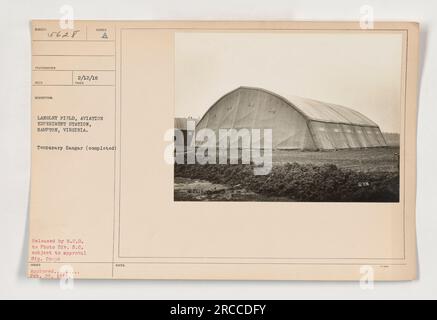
(370, 175)
(186, 189)
(365, 160)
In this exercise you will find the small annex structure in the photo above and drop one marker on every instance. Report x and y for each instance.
(182, 125)
(296, 123)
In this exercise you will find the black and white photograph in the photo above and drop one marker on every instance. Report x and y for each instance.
(305, 116)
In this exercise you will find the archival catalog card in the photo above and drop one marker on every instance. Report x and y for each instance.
(223, 150)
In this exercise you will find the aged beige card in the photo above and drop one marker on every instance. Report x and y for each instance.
(223, 150)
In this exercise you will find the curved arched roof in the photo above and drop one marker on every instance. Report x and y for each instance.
(316, 110)
(328, 112)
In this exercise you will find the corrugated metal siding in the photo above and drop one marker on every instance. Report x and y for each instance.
(322, 135)
(361, 136)
(371, 137)
(380, 137)
(351, 136)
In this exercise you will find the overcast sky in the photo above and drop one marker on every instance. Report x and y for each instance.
(358, 70)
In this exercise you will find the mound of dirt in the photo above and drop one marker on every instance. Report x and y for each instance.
(305, 183)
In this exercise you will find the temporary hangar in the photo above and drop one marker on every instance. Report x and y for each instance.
(296, 123)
